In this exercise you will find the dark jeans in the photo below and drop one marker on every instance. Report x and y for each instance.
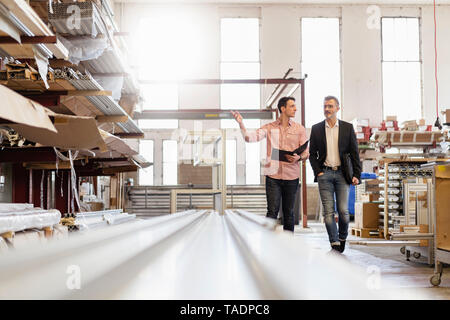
(332, 184)
(285, 190)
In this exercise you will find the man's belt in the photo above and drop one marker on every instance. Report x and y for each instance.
(332, 168)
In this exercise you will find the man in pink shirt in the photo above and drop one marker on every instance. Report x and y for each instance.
(282, 177)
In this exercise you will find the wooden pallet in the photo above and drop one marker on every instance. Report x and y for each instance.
(48, 232)
(7, 235)
(365, 233)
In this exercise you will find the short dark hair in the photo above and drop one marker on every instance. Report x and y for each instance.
(283, 102)
(327, 98)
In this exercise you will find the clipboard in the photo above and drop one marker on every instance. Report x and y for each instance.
(280, 155)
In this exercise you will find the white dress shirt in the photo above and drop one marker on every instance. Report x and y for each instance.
(332, 135)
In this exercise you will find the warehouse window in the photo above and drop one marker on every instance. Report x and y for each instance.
(159, 57)
(402, 94)
(170, 162)
(159, 97)
(321, 62)
(240, 60)
(146, 150)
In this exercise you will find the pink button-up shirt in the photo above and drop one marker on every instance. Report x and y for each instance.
(289, 139)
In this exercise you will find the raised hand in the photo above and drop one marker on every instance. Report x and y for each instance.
(237, 116)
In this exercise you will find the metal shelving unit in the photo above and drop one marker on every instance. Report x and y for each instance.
(395, 171)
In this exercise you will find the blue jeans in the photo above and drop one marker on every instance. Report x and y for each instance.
(286, 191)
(333, 183)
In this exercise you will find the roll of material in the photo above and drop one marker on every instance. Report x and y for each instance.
(14, 207)
(119, 218)
(29, 219)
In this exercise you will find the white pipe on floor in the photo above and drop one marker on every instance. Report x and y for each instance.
(294, 271)
(51, 272)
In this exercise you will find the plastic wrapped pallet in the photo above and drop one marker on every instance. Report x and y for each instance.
(88, 23)
(85, 48)
(12, 207)
(29, 219)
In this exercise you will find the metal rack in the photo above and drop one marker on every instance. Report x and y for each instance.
(417, 212)
(392, 213)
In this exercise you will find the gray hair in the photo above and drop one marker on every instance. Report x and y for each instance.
(327, 98)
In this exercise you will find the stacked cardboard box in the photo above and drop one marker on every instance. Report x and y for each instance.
(390, 124)
(368, 190)
(366, 215)
(410, 125)
(362, 129)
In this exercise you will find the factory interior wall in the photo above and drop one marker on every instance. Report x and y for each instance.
(280, 43)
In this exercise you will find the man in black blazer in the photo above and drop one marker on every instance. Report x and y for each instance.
(330, 141)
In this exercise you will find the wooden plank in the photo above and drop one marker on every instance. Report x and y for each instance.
(28, 40)
(7, 235)
(48, 231)
(382, 243)
(18, 51)
(119, 169)
(111, 118)
(33, 22)
(47, 165)
(80, 106)
(364, 232)
(89, 93)
(129, 135)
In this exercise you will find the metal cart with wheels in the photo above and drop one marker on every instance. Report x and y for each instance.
(441, 210)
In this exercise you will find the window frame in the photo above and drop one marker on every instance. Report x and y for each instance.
(420, 61)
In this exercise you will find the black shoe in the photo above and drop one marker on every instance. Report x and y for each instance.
(342, 246)
(336, 247)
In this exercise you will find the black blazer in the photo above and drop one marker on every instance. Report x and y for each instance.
(347, 144)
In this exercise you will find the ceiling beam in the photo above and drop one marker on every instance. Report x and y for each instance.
(203, 114)
(224, 81)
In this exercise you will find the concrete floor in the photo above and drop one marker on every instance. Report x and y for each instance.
(396, 274)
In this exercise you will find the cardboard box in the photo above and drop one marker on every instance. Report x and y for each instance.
(96, 206)
(421, 122)
(366, 215)
(369, 197)
(360, 122)
(391, 118)
(447, 116)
